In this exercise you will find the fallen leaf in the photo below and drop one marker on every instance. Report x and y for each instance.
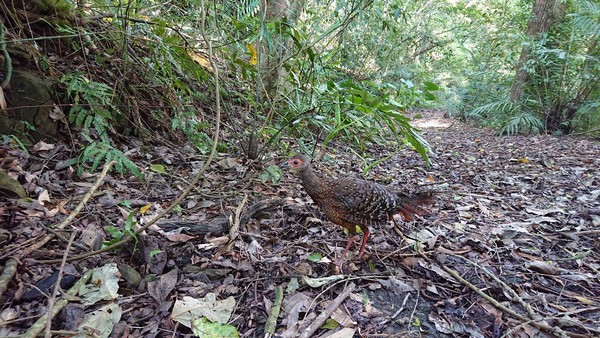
(218, 311)
(101, 321)
(42, 146)
(160, 288)
(104, 285)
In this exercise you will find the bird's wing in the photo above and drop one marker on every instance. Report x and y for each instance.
(361, 202)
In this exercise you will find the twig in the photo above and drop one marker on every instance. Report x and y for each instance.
(412, 314)
(39, 325)
(10, 269)
(540, 325)
(61, 270)
(7, 62)
(401, 306)
(63, 238)
(271, 324)
(515, 297)
(235, 228)
(321, 318)
(71, 216)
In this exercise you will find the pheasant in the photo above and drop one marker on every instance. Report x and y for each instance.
(353, 203)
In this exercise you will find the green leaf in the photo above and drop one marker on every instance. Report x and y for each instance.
(330, 324)
(272, 173)
(113, 232)
(202, 327)
(416, 322)
(158, 168)
(431, 86)
(154, 252)
(315, 257)
(429, 97)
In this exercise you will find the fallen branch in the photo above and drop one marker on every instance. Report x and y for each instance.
(322, 318)
(40, 324)
(271, 324)
(221, 225)
(11, 265)
(234, 231)
(61, 270)
(72, 215)
(535, 322)
(10, 269)
(515, 297)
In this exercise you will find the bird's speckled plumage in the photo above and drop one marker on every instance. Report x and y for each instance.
(351, 202)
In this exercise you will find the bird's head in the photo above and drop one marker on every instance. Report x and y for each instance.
(297, 163)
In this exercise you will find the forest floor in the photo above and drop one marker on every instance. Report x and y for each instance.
(509, 249)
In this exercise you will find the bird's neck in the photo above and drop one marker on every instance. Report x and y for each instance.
(311, 182)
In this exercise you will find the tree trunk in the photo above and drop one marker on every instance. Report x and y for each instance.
(543, 15)
(272, 56)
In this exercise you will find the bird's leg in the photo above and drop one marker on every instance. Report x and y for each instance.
(341, 260)
(364, 241)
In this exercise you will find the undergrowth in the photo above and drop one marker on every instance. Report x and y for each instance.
(93, 114)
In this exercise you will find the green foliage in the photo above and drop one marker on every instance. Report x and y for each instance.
(97, 153)
(117, 234)
(359, 113)
(563, 82)
(272, 173)
(509, 118)
(91, 104)
(14, 142)
(521, 123)
(314, 257)
(91, 114)
(193, 128)
(203, 327)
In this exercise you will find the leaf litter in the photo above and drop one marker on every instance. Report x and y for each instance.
(510, 248)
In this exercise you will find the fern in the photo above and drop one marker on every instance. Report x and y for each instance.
(586, 19)
(521, 123)
(360, 112)
(493, 109)
(97, 153)
(248, 8)
(93, 109)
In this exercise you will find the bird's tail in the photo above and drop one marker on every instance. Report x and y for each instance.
(410, 205)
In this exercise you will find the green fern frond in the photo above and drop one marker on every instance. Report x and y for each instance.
(587, 19)
(504, 107)
(521, 123)
(248, 8)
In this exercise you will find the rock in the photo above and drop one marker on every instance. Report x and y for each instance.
(29, 104)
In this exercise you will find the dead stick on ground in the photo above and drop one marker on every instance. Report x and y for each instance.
(73, 214)
(534, 316)
(10, 269)
(321, 318)
(271, 324)
(8, 273)
(235, 227)
(515, 297)
(234, 230)
(543, 326)
(52, 298)
(39, 325)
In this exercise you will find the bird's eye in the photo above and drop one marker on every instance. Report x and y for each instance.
(295, 162)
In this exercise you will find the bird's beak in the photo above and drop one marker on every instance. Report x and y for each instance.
(284, 165)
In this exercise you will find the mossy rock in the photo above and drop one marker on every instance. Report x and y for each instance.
(29, 103)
